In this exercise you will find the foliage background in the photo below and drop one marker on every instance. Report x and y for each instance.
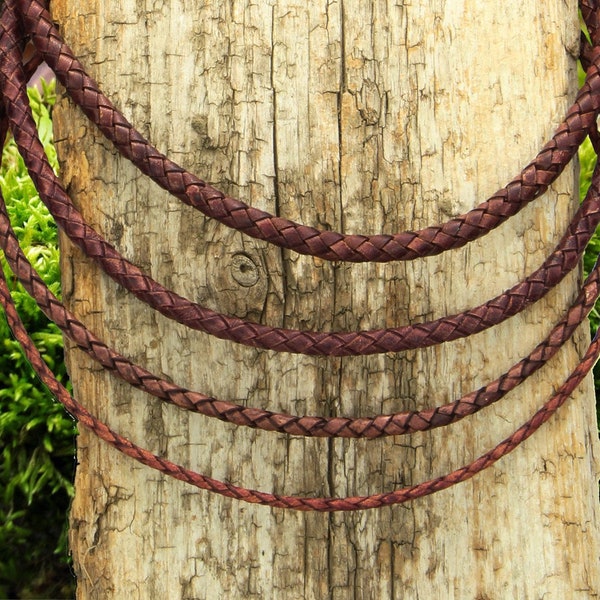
(37, 459)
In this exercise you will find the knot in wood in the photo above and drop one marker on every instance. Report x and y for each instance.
(244, 270)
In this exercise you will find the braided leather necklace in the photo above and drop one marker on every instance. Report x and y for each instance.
(32, 17)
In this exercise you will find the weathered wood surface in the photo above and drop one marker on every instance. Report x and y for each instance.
(358, 116)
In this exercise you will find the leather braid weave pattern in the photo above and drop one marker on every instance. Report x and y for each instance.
(22, 18)
(173, 306)
(528, 185)
(292, 502)
(313, 426)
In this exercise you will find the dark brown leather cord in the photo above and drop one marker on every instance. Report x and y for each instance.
(328, 245)
(591, 18)
(559, 263)
(534, 179)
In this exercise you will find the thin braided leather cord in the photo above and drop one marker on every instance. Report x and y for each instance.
(350, 503)
(531, 183)
(195, 316)
(322, 504)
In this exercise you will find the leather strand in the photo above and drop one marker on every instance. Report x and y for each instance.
(22, 19)
(565, 257)
(352, 503)
(328, 245)
(311, 426)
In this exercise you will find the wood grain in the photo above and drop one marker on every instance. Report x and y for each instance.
(361, 116)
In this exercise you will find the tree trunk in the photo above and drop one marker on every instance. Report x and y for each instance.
(362, 116)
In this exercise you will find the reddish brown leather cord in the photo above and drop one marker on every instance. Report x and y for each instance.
(426, 488)
(591, 17)
(12, 86)
(328, 245)
(313, 426)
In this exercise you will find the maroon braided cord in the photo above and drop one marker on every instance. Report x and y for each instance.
(323, 504)
(379, 426)
(531, 183)
(145, 457)
(587, 51)
(591, 17)
(173, 306)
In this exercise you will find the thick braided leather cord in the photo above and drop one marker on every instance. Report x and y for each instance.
(323, 504)
(314, 426)
(591, 18)
(426, 488)
(328, 245)
(173, 306)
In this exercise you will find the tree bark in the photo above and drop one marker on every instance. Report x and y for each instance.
(362, 116)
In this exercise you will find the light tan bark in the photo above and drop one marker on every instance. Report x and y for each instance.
(363, 116)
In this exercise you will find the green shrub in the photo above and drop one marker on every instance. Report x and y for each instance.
(36, 435)
(587, 162)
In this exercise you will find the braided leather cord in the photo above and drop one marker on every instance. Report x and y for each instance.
(591, 17)
(528, 185)
(426, 488)
(312, 426)
(565, 257)
(577, 232)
